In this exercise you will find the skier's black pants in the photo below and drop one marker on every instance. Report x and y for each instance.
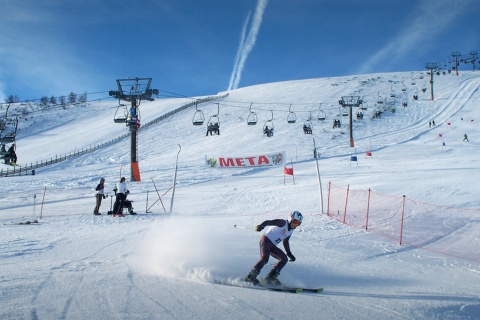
(117, 207)
(267, 249)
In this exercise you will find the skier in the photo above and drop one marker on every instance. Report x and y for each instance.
(121, 191)
(278, 231)
(465, 137)
(99, 196)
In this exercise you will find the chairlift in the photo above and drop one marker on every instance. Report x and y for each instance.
(337, 123)
(424, 88)
(364, 105)
(213, 125)
(380, 98)
(268, 127)
(321, 114)
(198, 117)
(121, 114)
(415, 95)
(345, 112)
(9, 131)
(392, 93)
(404, 87)
(252, 117)
(133, 119)
(292, 118)
(413, 82)
(307, 125)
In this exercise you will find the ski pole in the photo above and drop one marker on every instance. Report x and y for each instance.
(237, 226)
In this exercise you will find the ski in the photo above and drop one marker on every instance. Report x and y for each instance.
(247, 285)
(283, 289)
(312, 290)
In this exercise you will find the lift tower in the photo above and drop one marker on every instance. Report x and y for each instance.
(133, 90)
(350, 101)
(432, 66)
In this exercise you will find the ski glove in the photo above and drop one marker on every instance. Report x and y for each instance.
(258, 228)
(291, 257)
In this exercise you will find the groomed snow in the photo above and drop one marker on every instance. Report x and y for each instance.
(157, 265)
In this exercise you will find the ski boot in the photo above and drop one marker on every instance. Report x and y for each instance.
(271, 278)
(252, 277)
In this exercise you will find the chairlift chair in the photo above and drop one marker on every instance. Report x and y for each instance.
(392, 93)
(121, 114)
(308, 126)
(198, 116)
(268, 127)
(379, 99)
(292, 118)
(9, 133)
(321, 115)
(345, 112)
(252, 117)
(213, 124)
(404, 87)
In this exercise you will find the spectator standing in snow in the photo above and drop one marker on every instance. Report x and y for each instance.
(278, 230)
(121, 191)
(99, 196)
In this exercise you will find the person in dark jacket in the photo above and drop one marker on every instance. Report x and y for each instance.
(99, 196)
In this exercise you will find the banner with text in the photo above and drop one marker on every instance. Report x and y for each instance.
(261, 160)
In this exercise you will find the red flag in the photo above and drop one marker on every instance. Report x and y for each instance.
(288, 171)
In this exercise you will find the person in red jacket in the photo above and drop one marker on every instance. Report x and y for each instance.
(278, 230)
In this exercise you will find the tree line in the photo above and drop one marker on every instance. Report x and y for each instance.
(72, 98)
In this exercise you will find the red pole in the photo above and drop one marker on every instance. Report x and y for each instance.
(293, 172)
(401, 220)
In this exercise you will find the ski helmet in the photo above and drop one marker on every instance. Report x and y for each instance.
(295, 215)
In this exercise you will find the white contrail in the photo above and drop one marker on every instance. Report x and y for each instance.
(247, 43)
(240, 46)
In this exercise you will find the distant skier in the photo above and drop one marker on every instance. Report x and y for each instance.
(278, 231)
(465, 138)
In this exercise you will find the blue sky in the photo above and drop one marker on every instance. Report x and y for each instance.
(189, 47)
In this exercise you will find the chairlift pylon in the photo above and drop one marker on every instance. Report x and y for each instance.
(292, 118)
(252, 117)
(198, 116)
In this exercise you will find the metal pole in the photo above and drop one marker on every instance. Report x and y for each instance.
(133, 140)
(175, 179)
(318, 178)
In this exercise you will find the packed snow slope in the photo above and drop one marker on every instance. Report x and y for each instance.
(161, 265)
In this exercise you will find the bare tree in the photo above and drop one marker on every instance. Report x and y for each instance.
(53, 100)
(63, 101)
(12, 99)
(44, 100)
(72, 98)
